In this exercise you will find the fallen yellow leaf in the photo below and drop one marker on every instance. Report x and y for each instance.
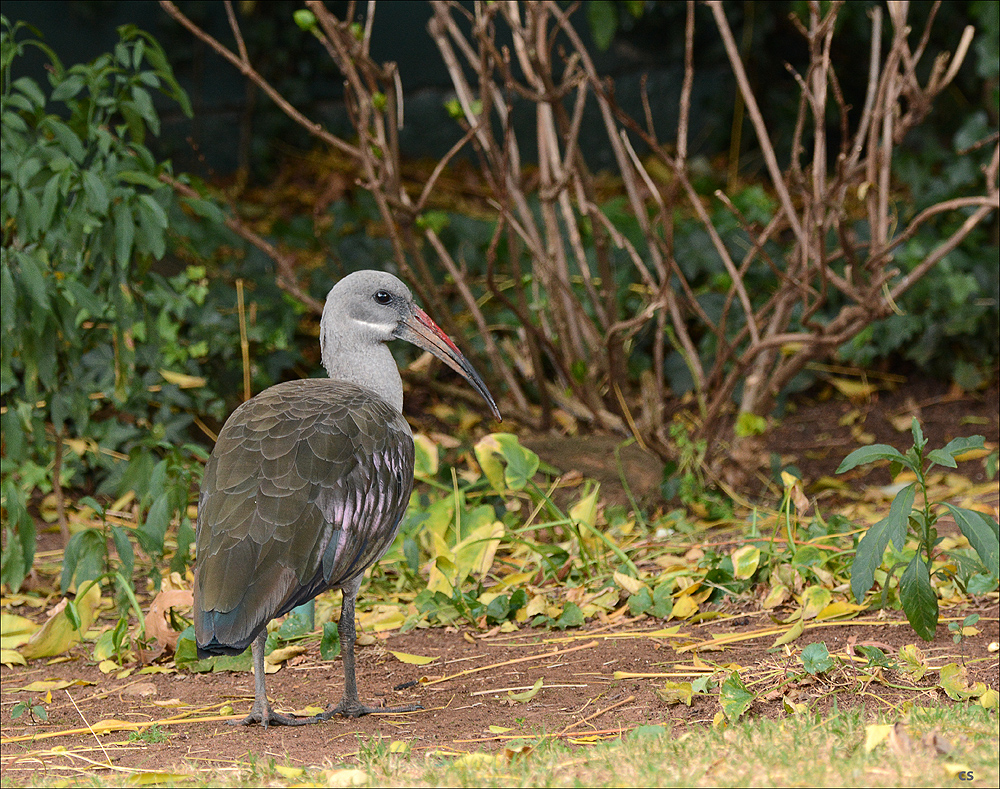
(876, 733)
(526, 695)
(113, 724)
(345, 778)
(11, 657)
(413, 660)
(41, 685)
(57, 635)
(282, 654)
(684, 607)
(15, 630)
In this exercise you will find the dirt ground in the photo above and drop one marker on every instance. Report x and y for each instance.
(468, 688)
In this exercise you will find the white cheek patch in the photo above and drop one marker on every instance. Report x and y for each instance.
(377, 328)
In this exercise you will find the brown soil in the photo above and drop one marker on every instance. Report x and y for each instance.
(581, 696)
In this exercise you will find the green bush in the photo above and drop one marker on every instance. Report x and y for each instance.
(97, 351)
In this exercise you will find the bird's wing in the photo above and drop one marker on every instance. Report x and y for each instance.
(303, 491)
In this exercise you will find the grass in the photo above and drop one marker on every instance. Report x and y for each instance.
(925, 746)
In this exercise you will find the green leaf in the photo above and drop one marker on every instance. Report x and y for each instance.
(454, 108)
(734, 697)
(876, 657)
(962, 444)
(918, 599)
(28, 88)
(954, 680)
(526, 695)
(187, 651)
(305, 19)
(745, 561)
(19, 554)
(748, 424)
(124, 547)
(676, 693)
(435, 221)
(50, 198)
(68, 88)
(299, 622)
(329, 646)
(571, 616)
(32, 279)
(983, 534)
(981, 583)
(498, 609)
(67, 138)
(124, 230)
(663, 602)
(602, 16)
(143, 179)
(870, 550)
(83, 559)
(872, 453)
(154, 527)
(636, 7)
(97, 194)
(941, 458)
(143, 103)
(640, 602)
(73, 615)
(156, 212)
(816, 658)
(919, 442)
(206, 209)
(521, 463)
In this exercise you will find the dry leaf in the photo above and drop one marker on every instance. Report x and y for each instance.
(157, 625)
(141, 689)
(527, 695)
(413, 660)
(57, 635)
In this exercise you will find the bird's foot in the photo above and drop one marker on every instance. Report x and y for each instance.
(266, 716)
(355, 709)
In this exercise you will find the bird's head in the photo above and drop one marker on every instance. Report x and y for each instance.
(367, 308)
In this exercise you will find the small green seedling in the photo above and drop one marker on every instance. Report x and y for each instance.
(36, 712)
(958, 629)
(150, 734)
(917, 596)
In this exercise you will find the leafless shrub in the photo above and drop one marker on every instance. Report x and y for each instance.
(557, 273)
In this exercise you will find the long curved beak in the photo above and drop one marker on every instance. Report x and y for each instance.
(423, 332)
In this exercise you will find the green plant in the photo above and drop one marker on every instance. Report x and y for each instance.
(101, 356)
(150, 734)
(35, 711)
(916, 593)
(684, 476)
(958, 628)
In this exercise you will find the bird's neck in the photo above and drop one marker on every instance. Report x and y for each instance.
(369, 365)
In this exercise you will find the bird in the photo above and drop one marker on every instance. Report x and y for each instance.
(308, 481)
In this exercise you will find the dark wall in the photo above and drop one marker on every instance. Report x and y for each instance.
(236, 125)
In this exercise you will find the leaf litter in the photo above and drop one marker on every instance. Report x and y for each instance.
(689, 631)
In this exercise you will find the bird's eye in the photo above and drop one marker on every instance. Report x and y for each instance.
(382, 296)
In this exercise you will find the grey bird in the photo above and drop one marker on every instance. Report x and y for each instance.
(308, 482)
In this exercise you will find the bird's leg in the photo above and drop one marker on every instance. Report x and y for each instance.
(261, 711)
(350, 706)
